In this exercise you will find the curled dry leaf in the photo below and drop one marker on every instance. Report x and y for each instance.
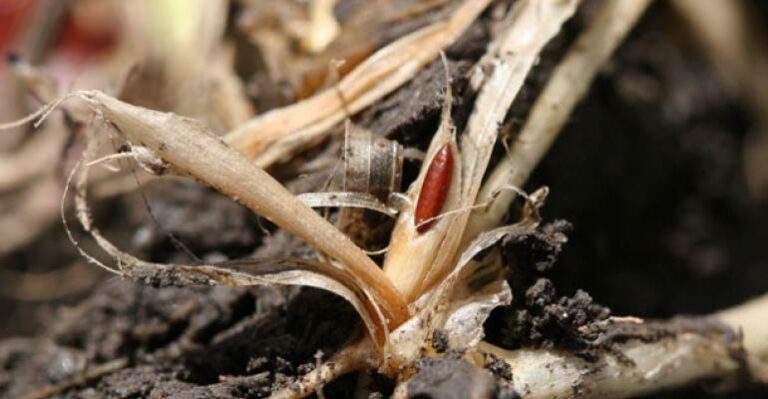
(346, 200)
(373, 168)
(372, 164)
(193, 151)
(285, 271)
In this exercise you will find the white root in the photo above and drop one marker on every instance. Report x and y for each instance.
(749, 319)
(564, 89)
(280, 133)
(356, 356)
(668, 363)
(635, 367)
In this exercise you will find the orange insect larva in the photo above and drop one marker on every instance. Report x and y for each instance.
(435, 188)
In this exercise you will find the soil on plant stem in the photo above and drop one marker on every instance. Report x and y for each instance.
(646, 183)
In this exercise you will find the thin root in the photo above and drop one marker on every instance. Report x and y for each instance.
(357, 356)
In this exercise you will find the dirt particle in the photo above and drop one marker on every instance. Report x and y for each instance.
(450, 379)
(539, 250)
(549, 322)
(440, 341)
(499, 367)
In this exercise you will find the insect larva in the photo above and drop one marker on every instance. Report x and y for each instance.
(435, 188)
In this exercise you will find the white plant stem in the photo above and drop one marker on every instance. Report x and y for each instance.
(565, 88)
(636, 367)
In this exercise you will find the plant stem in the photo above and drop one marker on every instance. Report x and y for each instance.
(565, 88)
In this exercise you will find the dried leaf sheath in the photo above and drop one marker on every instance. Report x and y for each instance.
(191, 149)
(531, 25)
(411, 252)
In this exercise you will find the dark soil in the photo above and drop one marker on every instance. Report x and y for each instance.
(647, 174)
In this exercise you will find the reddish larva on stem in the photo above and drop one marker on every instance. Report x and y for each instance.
(435, 188)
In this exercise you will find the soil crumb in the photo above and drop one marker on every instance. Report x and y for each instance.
(452, 378)
(550, 321)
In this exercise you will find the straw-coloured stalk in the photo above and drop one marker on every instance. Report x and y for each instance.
(280, 133)
(567, 85)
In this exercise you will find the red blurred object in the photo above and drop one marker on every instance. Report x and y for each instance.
(88, 28)
(82, 37)
(14, 14)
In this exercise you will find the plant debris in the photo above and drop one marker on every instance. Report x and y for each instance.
(331, 198)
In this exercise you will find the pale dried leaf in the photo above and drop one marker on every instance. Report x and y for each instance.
(346, 200)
